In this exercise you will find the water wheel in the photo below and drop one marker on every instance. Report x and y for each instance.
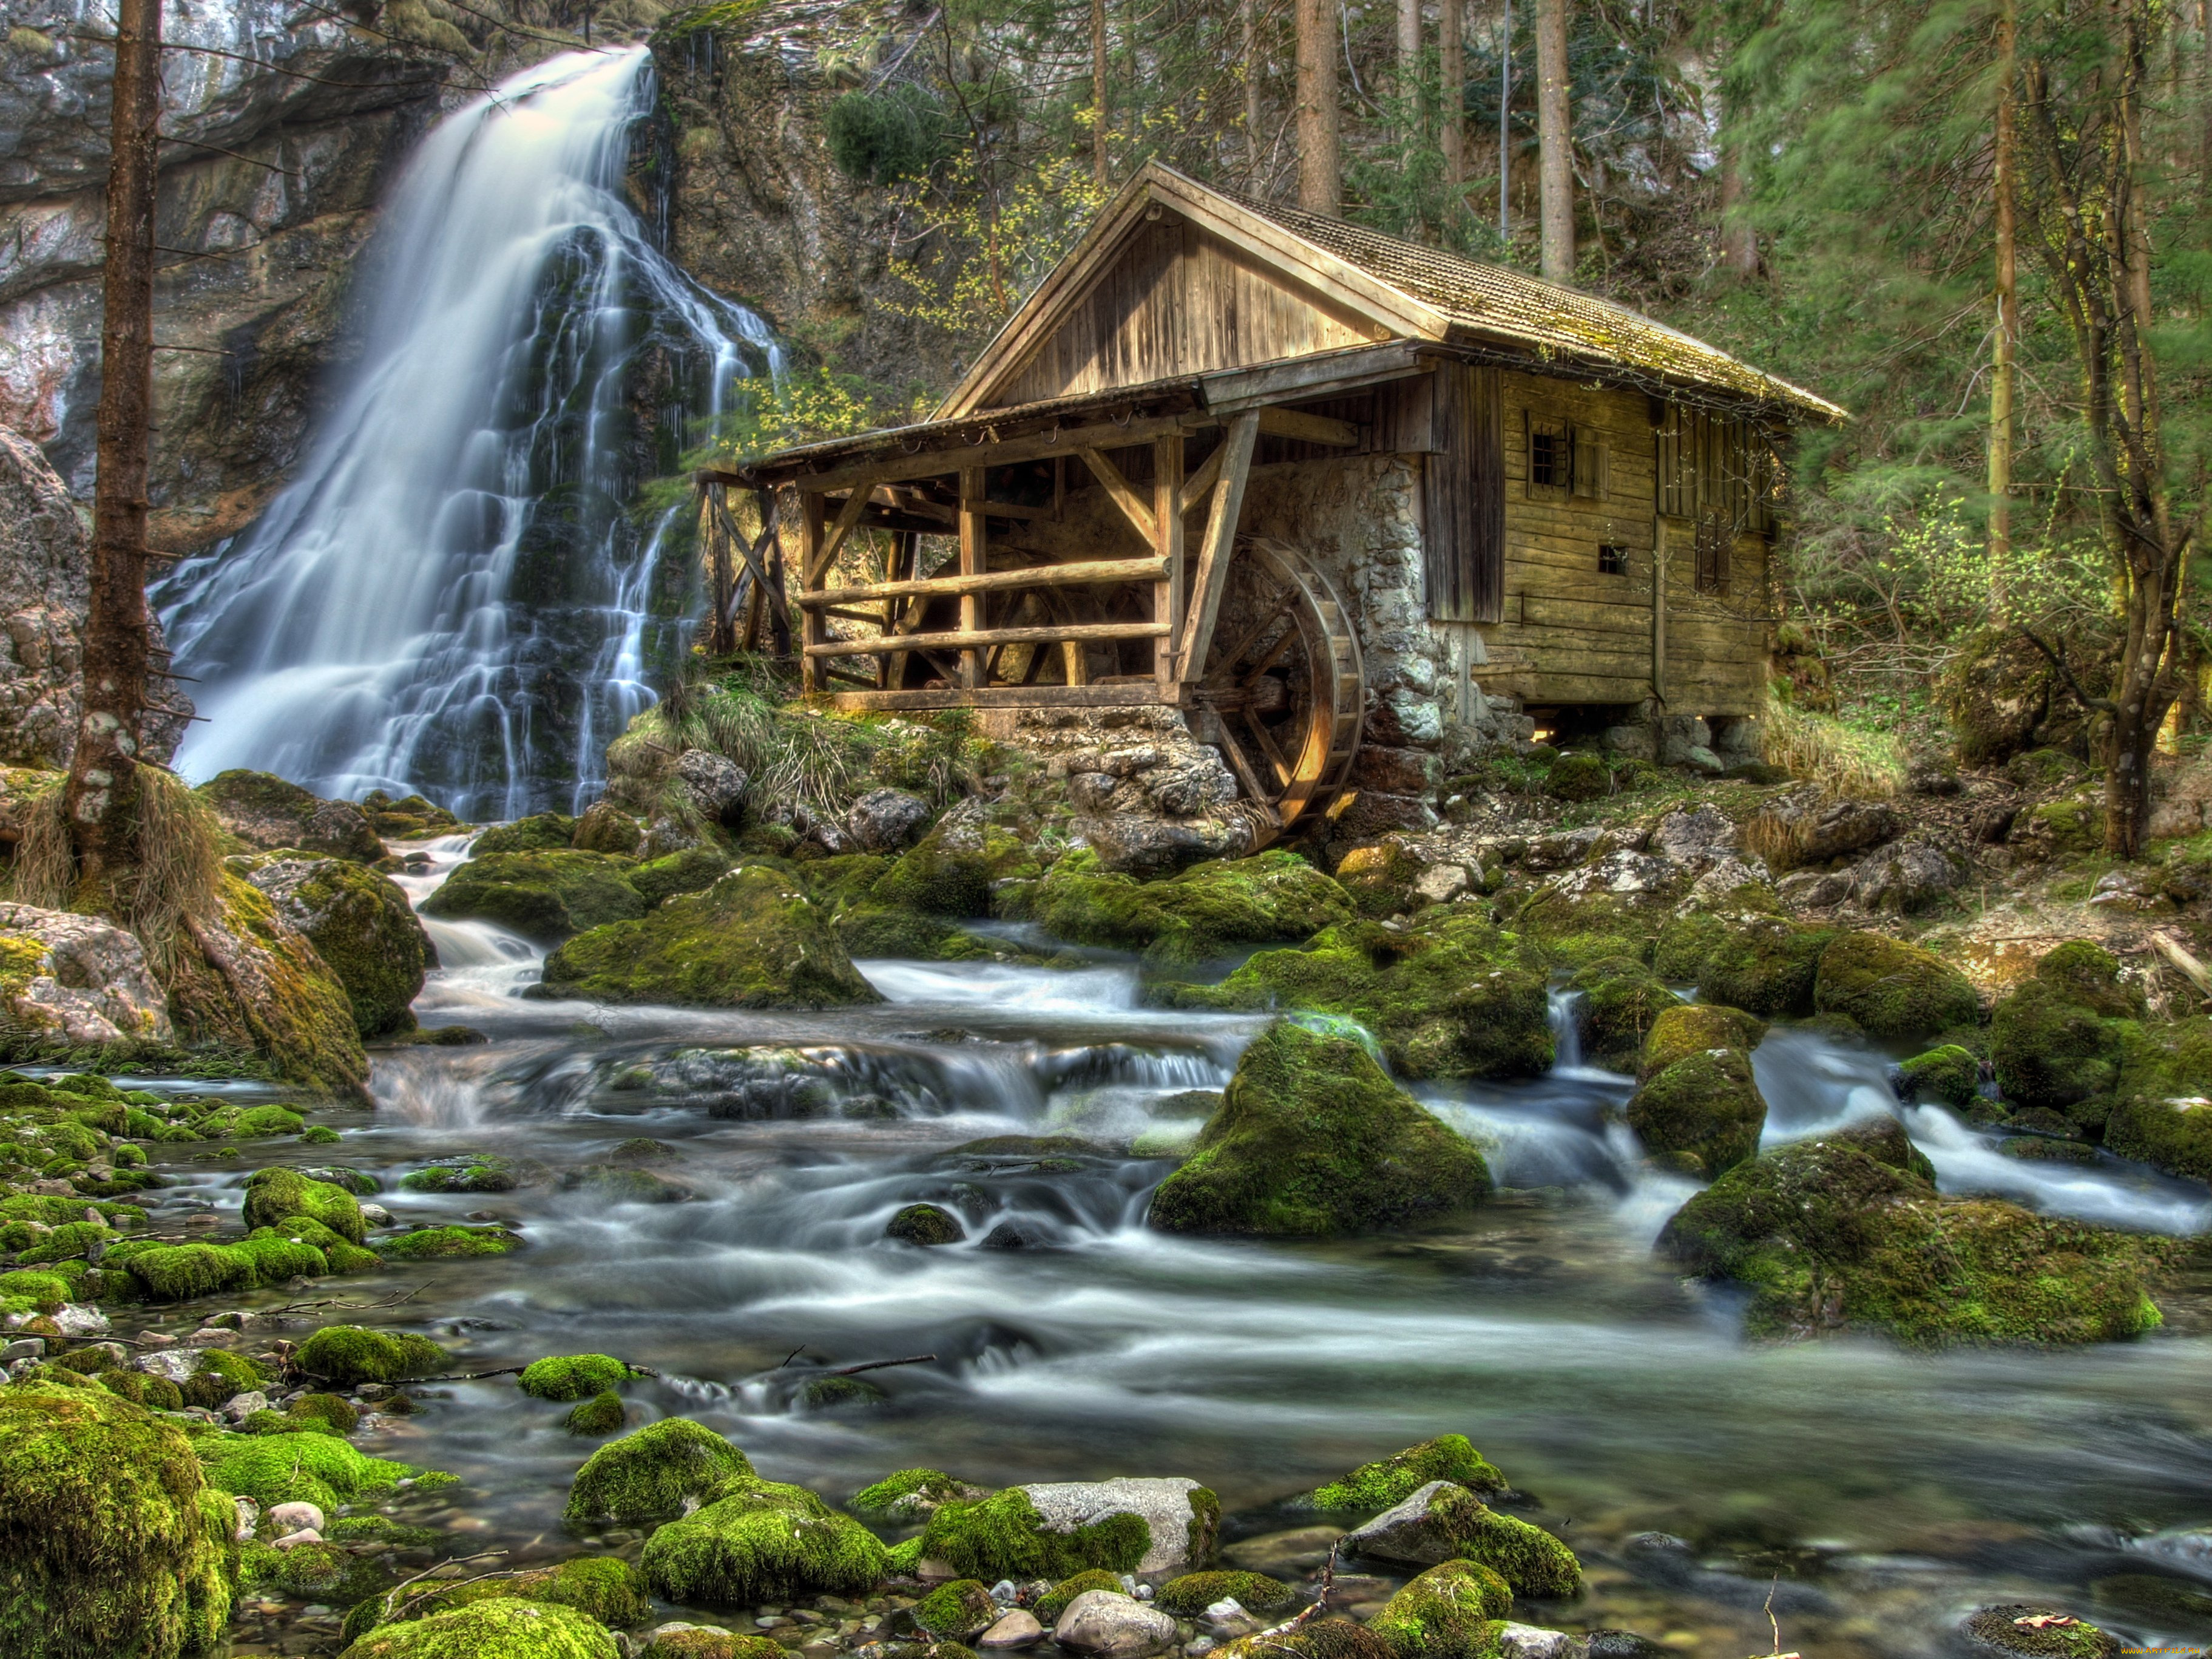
(1284, 684)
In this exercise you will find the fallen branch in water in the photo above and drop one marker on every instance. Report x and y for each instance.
(877, 1365)
(450, 1561)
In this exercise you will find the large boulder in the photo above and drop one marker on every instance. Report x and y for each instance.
(1313, 1140)
(276, 1195)
(2060, 1039)
(951, 871)
(886, 820)
(1450, 996)
(1891, 989)
(268, 814)
(1112, 1626)
(112, 1540)
(1446, 1612)
(1617, 1000)
(497, 1627)
(758, 1541)
(361, 925)
(1848, 1232)
(1805, 827)
(1200, 913)
(70, 981)
(663, 1469)
(1996, 691)
(752, 940)
(1391, 1480)
(254, 983)
(1741, 951)
(1697, 1108)
(44, 594)
(545, 894)
(1441, 1522)
(1154, 1526)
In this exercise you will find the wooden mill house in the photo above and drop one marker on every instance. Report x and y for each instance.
(1327, 492)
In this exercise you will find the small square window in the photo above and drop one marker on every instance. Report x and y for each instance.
(1612, 560)
(1551, 463)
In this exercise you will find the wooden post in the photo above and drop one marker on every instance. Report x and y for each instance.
(1659, 609)
(1167, 519)
(811, 623)
(1220, 543)
(972, 555)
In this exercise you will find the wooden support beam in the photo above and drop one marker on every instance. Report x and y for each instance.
(1167, 526)
(809, 559)
(1309, 428)
(1195, 486)
(894, 465)
(1220, 543)
(972, 555)
(969, 641)
(1119, 491)
(1076, 573)
(1004, 696)
(847, 517)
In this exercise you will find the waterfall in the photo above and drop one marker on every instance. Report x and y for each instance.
(458, 592)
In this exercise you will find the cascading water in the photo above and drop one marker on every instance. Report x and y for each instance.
(455, 594)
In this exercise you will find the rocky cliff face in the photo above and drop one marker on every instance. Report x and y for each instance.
(285, 125)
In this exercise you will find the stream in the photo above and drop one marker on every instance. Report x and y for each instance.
(1889, 1492)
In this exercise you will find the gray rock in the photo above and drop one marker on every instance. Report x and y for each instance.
(90, 983)
(377, 1216)
(1636, 742)
(1195, 782)
(1528, 1642)
(174, 1363)
(1439, 884)
(1679, 734)
(1697, 838)
(884, 820)
(1226, 1620)
(1149, 848)
(1909, 877)
(1115, 1625)
(1017, 1629)
(667, 835)
(1405, 1533)
(1815, 889)
(239, 1407)
(716, 784)
(23, 1348)
(249, 1514)
(1163, 1503)
(606, 827)
(290, 1518)
(1699, 759)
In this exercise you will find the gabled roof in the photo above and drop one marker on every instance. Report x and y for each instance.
(1393, 287)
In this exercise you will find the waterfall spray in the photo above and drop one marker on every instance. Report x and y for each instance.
(454, 594)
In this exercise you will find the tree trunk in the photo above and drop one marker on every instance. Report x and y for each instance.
(1452, 66)
(1739, 243)
(102, 793)
(1320, 183)
(1555, 142)
(1505, 126)
(2005, 348)
(1247, 23)
(1101, 169)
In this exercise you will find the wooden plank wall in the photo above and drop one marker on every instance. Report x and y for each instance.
(1572, 635)
(1179, 301)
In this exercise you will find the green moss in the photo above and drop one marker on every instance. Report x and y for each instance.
(2059, 1040)
(1054, 1602)
(1949, 1074)
(156, 1394)
(1620, 998)
(1446, 1612)
(1891, 989)
(67, 1242)
(1313, 1139)
(248, 1123)
(1188, 1596)
(2002, 1629)
(1578, 777)
(602, 1588)
(436, 1243)
(320, 1469)
(362, 925)
(316, 1572)
(343, 1258)
(543, 895)
(1848, 1230)
(1374, 1487)
(950, 871)
(332, 1409)
(1702, 1114)
(1201, 914)
(543, 831)
(957, 1611)
(1002, 1536)
(272, 1195)
(595, 1419)
(692, 870)
(480, 1174)
(910, 1494)
(761, 1541)
(828, 1393)
(182, 1273)
(701, 1641)
(117, 1546)
(1689, 1029)
(651, 1473)
(753, 940)
(872, 930)
(348, 1355)
(1324, 1639)
(574, 1376)
(1530, 1560)
(1744, 958)
(1449, 997)
(502, 1627)
(44, 1292)
(924, 1223)
(2172, 1135)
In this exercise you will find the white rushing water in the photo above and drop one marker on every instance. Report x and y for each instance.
(452, 594)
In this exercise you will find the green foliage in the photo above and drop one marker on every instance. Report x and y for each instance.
(883, 137)
(575, 1376)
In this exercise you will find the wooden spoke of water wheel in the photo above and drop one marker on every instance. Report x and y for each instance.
(1284, 682)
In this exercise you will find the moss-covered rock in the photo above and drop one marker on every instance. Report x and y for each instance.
(1188, 1596)
(2059, 1040)
(1323, 1639)
(2173, 1135)
(1449, 997)
(1891, 989)
(254, 983)
(1378, 1485)
(439, 1243)
(1446, 1612)
(603, 1587)
(911, 1495)
(1313, 1139)
(111, 1541)
(500, 1627)
(1619, 999)
(654, 1473)
(951, 871)
(320, 1469)
(1379, 877)
(1688, 1028)
(542, 831)
(959, 1611)
(1744, 954)
(543, 895)
(274, 1195)
(692, 870)
(756, 1542)
(348, 1355)
(595, 1419)
(1197, 915)
(1004, 1536)
(182, 1271)
(1441, 1521)
(2030, 1631)
(471, 1172)
(752, 940)
(1702, 1114)
(265, 812)
(362, 925)
(1054, 1601)
(1849, 1231)
(682, 1641)
(572, 1376)
(924, 1223)
(1579, 776)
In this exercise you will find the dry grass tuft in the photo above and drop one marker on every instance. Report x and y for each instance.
(1866, 765)
(180, 871)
